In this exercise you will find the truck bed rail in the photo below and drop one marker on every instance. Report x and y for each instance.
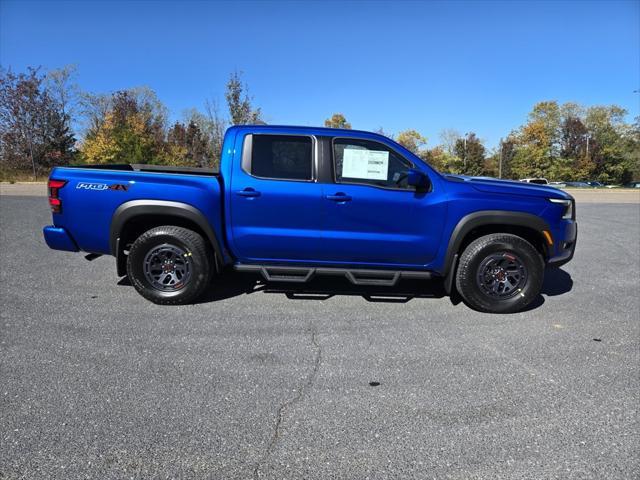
(141, 167)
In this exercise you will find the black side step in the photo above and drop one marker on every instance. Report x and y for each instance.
(285, 274)
(381, 278)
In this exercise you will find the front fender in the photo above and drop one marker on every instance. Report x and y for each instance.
(485, 218)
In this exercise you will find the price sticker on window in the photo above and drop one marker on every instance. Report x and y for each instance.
(365, 164)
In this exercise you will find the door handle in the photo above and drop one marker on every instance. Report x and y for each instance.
(339, 197)
(248, 192)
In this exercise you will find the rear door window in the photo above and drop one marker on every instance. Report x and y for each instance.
(282, 157)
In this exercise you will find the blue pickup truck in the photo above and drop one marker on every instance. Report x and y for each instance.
(292, 203)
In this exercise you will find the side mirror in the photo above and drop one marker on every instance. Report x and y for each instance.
(418, 179)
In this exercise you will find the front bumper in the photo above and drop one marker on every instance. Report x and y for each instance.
(58, 238)
(565, 245)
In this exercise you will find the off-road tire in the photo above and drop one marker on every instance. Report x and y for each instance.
(478, 252)
(195, 251)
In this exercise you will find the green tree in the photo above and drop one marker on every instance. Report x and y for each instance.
(506, 151)
(608, 143)
(59, 139)
(471, 154)
(543, 128)
(130, 127)
(632, 150)
(530, 161)
(440, 159)
(571, 142)
(538, 141)
(492, 164)
(337, 120)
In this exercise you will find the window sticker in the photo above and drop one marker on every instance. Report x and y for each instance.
(367, 164)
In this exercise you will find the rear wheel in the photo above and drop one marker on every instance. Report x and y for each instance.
(500, 273)
(170, 265)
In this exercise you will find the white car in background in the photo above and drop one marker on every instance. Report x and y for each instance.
(539, 181)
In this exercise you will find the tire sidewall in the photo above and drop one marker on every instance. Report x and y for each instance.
(532, 262)
(199, 265)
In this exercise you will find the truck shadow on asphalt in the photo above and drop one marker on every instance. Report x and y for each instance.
(556, 282)
(233, 284)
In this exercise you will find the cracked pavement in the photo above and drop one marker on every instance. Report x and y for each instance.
(274, 382)
(283, 409)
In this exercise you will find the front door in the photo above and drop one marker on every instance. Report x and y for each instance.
(372, 216)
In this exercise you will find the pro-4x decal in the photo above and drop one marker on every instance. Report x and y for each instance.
(101, 186)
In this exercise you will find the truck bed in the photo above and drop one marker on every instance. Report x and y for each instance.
(93, 193)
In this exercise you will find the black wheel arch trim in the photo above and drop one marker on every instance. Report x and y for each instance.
(140, 208)
(482, 218)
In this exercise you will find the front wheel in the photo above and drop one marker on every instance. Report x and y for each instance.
(500, 273)
(170, 265)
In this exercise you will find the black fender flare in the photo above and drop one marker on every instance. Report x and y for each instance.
(478, 219)
(140, 208)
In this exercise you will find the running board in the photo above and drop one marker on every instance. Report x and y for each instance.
(381, 278)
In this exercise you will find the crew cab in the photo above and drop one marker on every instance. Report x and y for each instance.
(292, 203)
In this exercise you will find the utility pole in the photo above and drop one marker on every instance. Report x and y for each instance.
(465, 153)
(500, 161)
(588, 137)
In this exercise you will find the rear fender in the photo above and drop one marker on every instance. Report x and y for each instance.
(141, 208)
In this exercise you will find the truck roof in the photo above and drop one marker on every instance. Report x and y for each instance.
(307, 129)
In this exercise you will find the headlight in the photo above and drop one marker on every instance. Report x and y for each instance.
(568, 207)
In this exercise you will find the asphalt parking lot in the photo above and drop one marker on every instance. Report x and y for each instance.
(275, 382)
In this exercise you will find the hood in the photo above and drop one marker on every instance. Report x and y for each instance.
(509, 187)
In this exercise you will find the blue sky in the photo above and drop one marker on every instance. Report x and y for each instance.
(473, 66)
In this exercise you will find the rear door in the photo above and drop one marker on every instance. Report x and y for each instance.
(372, 216)
(275, 200)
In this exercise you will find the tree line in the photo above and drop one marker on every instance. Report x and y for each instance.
(561, 142)
(47, 120)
